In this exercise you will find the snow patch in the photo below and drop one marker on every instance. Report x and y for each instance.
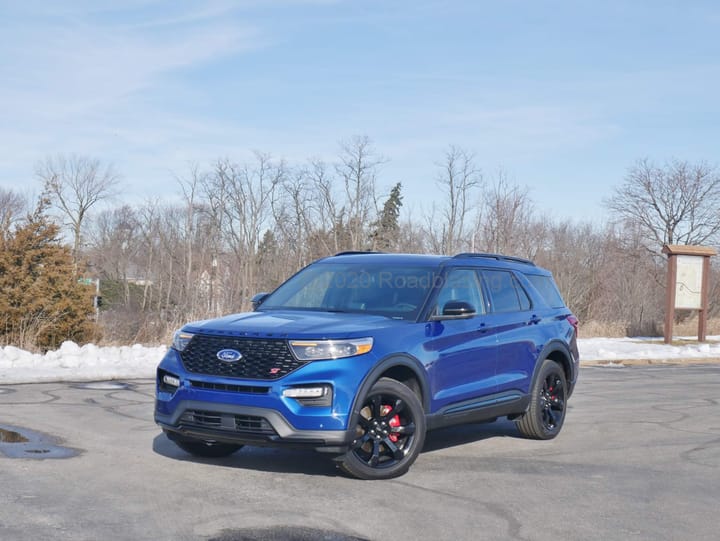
(71, 362)
(610, 349)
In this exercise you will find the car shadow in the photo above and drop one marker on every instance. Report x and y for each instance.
(267, 459)
(453, 436)
(310, 462)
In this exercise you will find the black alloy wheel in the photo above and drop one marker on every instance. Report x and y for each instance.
(545, 416)
(389, 433)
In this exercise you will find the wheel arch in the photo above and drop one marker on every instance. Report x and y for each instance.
(402, 368)
(556, 351)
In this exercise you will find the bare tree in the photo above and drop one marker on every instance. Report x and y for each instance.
(507, 218)
(576, 253)
(329, 234)
(674, 204)
(114, 245)
(358, 168)
(149, 234)
(198, 248)
(629, 290)
(293, 217)
(12, 206)
(459, 181)
(75, 184)
(249, 192)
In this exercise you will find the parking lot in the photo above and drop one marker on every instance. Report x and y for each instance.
(638, 458)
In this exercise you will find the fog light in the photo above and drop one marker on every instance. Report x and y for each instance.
(306, 392)
(311, 395)
(171, 380)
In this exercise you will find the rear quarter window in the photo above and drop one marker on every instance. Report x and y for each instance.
(547, 288)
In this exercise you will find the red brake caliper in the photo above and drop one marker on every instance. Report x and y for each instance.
(393, 423)
(550, 390)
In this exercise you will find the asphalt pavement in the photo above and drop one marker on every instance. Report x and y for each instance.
(638, 458)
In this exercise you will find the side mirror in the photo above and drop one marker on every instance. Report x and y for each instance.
(258, 299)
(456, 310)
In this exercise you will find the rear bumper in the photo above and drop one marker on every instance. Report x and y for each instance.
(247, 425)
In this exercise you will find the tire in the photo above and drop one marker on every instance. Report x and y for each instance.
(545, 416)
(207, 449)
(390, 432)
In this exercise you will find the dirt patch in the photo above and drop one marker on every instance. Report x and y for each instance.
(10, 436)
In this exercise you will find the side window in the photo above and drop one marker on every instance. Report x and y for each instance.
(506, 294)
(461, 285)
(547, 288)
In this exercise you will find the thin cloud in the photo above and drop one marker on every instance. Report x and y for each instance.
(83, 67)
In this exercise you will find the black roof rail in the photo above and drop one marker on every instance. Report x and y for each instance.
(356, 252)
(499, 257)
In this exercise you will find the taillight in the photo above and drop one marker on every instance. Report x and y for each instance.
(574, 322)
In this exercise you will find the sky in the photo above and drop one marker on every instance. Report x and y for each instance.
(98, 363)
(563, 97)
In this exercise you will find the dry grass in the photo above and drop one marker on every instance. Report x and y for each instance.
(615, 329)
(602, 329)
(689, 327)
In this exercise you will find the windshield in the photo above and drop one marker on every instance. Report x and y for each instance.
(396, 292)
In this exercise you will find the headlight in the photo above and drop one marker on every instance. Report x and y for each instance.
(316, 350)
(181, 339)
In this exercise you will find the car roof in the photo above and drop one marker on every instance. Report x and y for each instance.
(475, 259)
(423, 260)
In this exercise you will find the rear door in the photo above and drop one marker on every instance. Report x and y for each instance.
(513, 323)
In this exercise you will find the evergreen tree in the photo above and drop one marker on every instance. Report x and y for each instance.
(387, 227)
(42, 303)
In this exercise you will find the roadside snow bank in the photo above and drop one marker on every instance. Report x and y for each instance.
(611, 349)
(74, 363)
(93, 363)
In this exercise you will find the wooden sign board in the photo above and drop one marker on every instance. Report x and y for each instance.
(687, 284)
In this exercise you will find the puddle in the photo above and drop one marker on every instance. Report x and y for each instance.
(18, 442)
(104, 386)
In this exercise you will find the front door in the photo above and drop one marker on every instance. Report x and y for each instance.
(465, 352)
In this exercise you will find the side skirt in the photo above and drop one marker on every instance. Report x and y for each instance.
(488, 408)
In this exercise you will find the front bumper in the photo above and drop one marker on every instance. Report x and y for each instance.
(256, 412)
(247, 425)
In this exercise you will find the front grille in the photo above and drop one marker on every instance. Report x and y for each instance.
(253, 425)
(248, 389)
(241, 424)
(261, 358)
(207, 419)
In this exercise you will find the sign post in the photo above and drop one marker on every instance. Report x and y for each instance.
(687, 285)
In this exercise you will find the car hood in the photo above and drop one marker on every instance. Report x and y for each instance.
(294, 324)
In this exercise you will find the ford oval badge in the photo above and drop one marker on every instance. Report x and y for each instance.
(229, 355)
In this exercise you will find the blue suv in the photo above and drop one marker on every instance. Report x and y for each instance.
(360, 354)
